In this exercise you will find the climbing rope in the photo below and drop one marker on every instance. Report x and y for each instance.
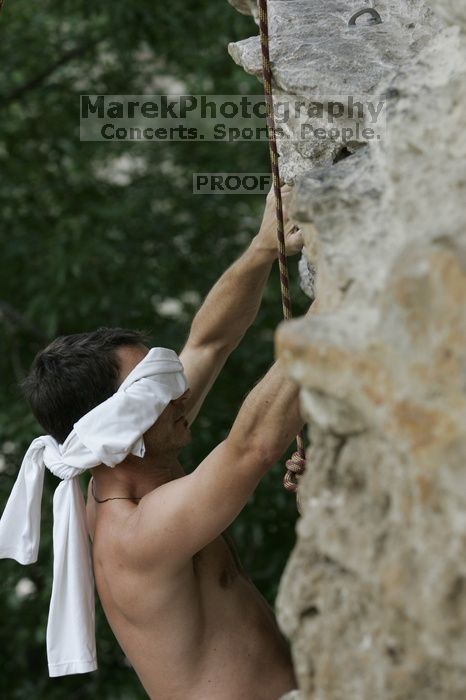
(294, 466)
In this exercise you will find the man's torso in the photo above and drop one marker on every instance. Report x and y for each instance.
(204, 633)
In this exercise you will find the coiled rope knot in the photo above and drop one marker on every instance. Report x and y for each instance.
(295, 466)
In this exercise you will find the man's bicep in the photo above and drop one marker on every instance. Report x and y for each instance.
(201, 365)
(181, 517)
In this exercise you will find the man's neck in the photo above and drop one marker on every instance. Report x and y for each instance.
(135, 477)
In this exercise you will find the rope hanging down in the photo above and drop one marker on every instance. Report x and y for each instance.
(295, 466)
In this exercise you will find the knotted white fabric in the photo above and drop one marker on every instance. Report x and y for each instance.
(105, 435)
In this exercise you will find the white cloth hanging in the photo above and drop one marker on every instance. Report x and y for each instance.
(105, 435)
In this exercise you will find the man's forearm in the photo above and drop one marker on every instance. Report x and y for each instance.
(233, 302)
(270, 417)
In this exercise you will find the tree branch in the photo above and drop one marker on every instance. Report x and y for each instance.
(41, 77)
(14, 319)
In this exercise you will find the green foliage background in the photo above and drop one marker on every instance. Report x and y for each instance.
(80, 248)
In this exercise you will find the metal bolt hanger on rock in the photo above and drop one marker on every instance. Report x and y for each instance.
(375, 17)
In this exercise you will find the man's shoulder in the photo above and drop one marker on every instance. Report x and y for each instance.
(140, 535)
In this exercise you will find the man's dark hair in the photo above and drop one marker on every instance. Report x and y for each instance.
(74, 374)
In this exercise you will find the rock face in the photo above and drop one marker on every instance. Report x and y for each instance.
(374, 594)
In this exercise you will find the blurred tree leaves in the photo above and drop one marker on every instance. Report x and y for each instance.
(101, 234)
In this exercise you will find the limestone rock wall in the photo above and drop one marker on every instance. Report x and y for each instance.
(374, 595)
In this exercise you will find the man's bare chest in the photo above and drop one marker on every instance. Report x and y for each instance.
(218, 563)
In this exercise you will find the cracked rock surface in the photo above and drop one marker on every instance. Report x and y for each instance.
(374, 594)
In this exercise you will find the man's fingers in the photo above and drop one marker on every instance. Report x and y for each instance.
(286, 196)
(294, 242)
(284, 184)
(294, 230)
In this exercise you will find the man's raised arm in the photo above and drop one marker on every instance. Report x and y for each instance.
(269, 418)
(232, 305)
(270, 415)
(181, 517)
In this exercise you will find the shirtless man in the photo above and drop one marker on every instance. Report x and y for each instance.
(186, 615)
